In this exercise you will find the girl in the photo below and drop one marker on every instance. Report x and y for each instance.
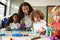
(13, 21)
(56, 16)
(56, 23)
(39, 24)
(24, 11)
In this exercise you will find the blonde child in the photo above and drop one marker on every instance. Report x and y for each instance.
(56, 23)
(56, 16)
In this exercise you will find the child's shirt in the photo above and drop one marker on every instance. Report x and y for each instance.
(14, 25)
(39, 25)
(56, 25)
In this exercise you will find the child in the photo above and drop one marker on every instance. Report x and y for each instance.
(24, 11)
(39, 24)
(56, 16)
(13, 21)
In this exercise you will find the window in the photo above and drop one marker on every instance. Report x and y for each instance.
(2, 9)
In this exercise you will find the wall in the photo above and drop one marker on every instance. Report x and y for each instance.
(42, 8)
(43, 2)
(15, 6)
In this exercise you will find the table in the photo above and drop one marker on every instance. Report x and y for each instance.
(8, 36)
(23, 38)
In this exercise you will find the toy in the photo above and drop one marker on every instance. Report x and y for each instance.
(53, 38)
(17, 35)
(28, 29)
(22, 26)
(36, 38)
(48, 31)
(2, 34)
(34, 32)
(11, 39)
(4, 22)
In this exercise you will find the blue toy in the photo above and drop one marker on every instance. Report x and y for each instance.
(2, 34)
(28, 28)
(4, 22)
(17, 35)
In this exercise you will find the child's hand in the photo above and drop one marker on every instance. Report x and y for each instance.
(38, 31)
(54, 27)
(43, 29)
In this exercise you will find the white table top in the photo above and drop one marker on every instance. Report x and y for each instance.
(23, 38)
(8, 36)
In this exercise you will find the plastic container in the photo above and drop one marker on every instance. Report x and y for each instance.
(48, 31)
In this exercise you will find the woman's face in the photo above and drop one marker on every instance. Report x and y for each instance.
(15, 18)
(36, 18)
(25, 9)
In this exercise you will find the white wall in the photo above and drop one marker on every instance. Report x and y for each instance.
(43, 2)
(43, 9)
(15, 6)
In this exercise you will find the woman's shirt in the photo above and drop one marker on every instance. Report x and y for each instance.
(39, 25)
(27, 21)
(14, 25)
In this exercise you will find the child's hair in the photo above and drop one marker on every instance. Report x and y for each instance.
(10, 20)
(34, 12)
(21, 13)
(56, 9)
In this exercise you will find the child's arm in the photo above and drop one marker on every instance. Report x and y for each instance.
(41, 30)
